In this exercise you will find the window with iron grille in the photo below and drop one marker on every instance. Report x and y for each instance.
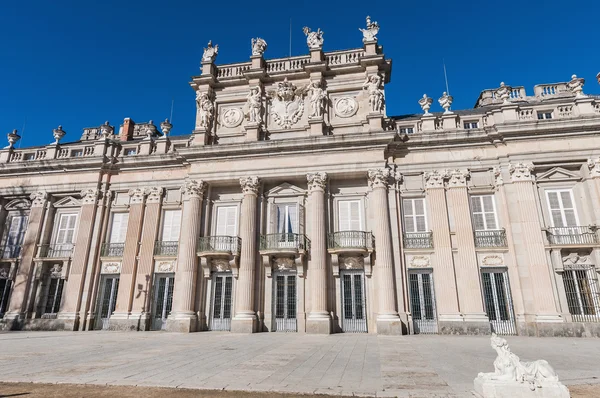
(54, 295)
(5, 285)
(422, 301)
(581, 288)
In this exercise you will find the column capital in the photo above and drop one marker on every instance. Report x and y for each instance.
(250, 185)
(594, 166)
(154, 194)
(435, 179)
(136, 196)
(498, 179)
(89, 196)
(317, 181)
(458, 178)
(379, 178)
(193, 189)
(521, 171)
(39, 198)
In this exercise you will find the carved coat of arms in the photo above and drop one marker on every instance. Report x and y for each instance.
(287, 104)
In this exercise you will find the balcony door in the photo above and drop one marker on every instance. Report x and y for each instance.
(563, 217)
(163, 300)
(118, 234)
(498, 302)
(16, 227)
(225, 225)
(422, 302)
(107, 300)
(287, 225)
(284, 301)
(221, 301)
(169, 238)
(64, 236)
(354, 311)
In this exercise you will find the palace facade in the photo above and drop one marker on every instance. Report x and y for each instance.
(298, 205)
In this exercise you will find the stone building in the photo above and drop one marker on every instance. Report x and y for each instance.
(297, 204)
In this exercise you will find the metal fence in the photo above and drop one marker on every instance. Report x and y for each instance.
(284, 241)
(580, 235)
(56, 250)
(212, 244)
(583, 293)
(10, 251)
(418, 240)
(350, 240)
(166, 248)
(112, 249)
(490, 238)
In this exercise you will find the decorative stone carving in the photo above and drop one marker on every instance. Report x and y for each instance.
(136, 196)
(314, 40)
(503, 92)
(420, 262)
(317, 181)
(446, 102)
(89, 196)
(499, 180)
(18, 204)
(284, 263)
(166, 127)
(575, 86)
(38, 199)
(352, 262)
(254, 105)
(492, 260)
(594, 166)
(111, 268)
(379, 178)
(154, 194)
(193, 188)
(458, 178)
(220, 264)
(435, 179)
(521, 171)
(250, 185)
(232, 117)
(425, 104)
(317, 98)
(58, 134)
(370, 34)
(150, 130)
(514, 378)
(575, 259)
(372, 85)
(287, 104)
(164, 266)
(106, 131)
(259, 46)
(4, 272)
(205, 108)
(210, 52)
(345, 107)
(12, 139)
(56, 271)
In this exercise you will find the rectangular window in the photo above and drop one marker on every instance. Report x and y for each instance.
(129, 151)
(29, 156)
(471, 125)
(171, 225)
(226, 221)
(415, 219)
(581, 288)
(16, 230)
(406, 130)
(54, 296)
(349, 215)
(287, 218)
(118, 229)
(544, 115)
(484, 212)
(562, 208)
(65, 232)
(77, 153)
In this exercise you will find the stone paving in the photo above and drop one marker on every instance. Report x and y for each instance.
(342, 364)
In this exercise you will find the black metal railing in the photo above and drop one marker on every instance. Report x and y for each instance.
(166, 248)
(579, 235)
(490, 238)
(10, 251)
(216, 244)
(283, 241)
(112, 249)
(350, 240)
(418, 240)
(56, 250)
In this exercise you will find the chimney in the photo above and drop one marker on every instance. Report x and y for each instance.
(126, 133)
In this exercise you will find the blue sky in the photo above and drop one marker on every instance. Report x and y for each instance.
(80, 63)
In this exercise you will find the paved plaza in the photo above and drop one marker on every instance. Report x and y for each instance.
(342, 364)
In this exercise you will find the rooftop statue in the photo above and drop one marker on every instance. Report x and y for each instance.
(313, 39)
(576, 86)
(259, 46)
(370, 34)
(445, 102)
(425, 104)
(210, 52)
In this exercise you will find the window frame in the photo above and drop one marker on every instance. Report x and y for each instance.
(403, 215)
(483, 212)
(215, 217)
(162, 224)
(56, 228)
(361, 219)
(562, 208)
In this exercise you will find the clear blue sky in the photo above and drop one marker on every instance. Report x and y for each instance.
(80, 63)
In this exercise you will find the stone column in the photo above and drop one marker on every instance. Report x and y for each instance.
(533, 244)
(594, 186)
(318, 320)
(468, 280)
(183, 316)
(245, 320)
(23, 278)
(145, 269)
(120, 320)
(388, 321)
(444, 280)
(70, 312)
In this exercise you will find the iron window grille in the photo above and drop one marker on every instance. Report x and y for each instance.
(350, 240)
(54, 295)
(578, 235)
(490, 238)
(583, 293)
(418, 240)
(422, 302)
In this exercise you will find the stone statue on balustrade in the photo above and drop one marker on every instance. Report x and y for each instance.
(314, 40)
(576, 86)
(210, 52)
(317, 98)
(373, 88)
(206, 109)
(370, 34)
(253, 108)
(259, 46)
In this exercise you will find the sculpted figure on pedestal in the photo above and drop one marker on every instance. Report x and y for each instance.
(205, 109)
(254, 105)
(318, 98)
(259, 46)
(503, 92)
(373, 87)
(576, 86)
(313, 39)
(425, 104)
(370, 34)
(210, 52)
(445, 102)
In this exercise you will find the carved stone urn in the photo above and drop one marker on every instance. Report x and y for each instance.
(12, 139)
(58, 134)
(166, 127)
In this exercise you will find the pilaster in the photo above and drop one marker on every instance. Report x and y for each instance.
(594, 185)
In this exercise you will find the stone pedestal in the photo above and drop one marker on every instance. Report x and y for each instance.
(585, 105)
(317, 127)
(257, 61)
(252, 132)
(511, 389)
(428, 123)
(200, 137)
(375, 121)
(449, 121)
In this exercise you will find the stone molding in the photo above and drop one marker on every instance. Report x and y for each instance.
(89, 196)
(154, 194)
(250, 185)
(379, 178)
(575, 259)
(594, 166)
(38, 199)
(419, 262)
(136, 196)
(458, 178)
(498, 179)
(316, 181)
(193, 189)
(521, 171)
(435, 179)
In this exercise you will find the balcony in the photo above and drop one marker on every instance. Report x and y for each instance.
(490, 238)
(56, 250)
(418, 240)
(112, 249)
(10, 251)
(350, 241)
(219, 244)
(579, 235)
(166, 248)
(284, 242)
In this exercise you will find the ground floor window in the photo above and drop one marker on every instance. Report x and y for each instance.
(498, 302)
(354, 310)
(284, 303)
(54, 296)
(163, 300)
(107, 300)
(5, 285)
(221, 301)
(422, 302)
(581, 288)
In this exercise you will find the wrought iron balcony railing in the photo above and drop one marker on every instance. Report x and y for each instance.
(350, 240)
(418, 240)
(490, 238)
(283, 241)
(112, 249)
(10, 251)
(579, 235)
(166, 248)
(217, 244)
(56, 250)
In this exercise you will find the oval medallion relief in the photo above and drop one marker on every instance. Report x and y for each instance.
(345, 107)
(232, 117)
